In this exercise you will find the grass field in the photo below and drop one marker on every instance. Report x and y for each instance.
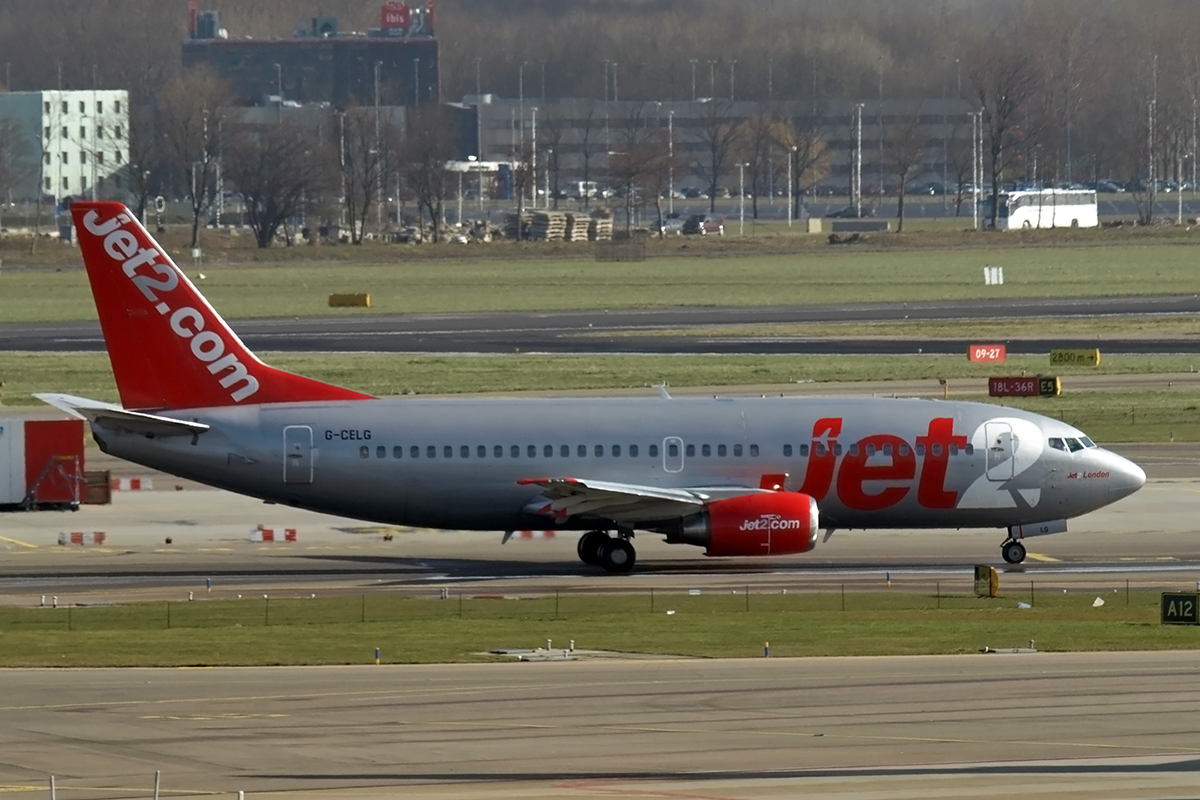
(1115, 416)
(340, 630)
(703, 279)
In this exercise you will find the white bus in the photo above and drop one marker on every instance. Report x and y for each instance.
(1047, 208)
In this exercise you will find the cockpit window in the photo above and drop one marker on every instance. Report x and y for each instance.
(1075, 445)
(1057, 443)
(1087, 442)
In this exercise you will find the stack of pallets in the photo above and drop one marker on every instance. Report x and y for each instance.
(515, 225)
(600, 229)
(577, 228)
(548, 226)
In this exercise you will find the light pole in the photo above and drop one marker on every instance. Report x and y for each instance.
(856, 184)
(279, 88)
(945, 154)
(479, 166)
(533, 160)
(521, 104)
(671, 161)
(416, 83)
(694, 62)
(742, 198)
(712, 78)
(616, 95)
(478, 84)
(791, 195)
(732, 75)
(460, 198)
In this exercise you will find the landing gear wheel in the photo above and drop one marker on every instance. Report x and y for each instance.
(617, 555)
(1012, 552)
(589, 547)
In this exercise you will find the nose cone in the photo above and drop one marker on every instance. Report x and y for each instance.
(1125, 477)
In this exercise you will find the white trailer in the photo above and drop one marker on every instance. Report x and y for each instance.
(1047, 208)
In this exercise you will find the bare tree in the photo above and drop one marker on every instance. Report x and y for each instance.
(801, 141)
(590, 143)
(423, 158)
(757, 146)
(905, 145)
(640, 162)
(1004, 82)
(279, 169)
(192, 114)
(715, 137)
(16, 160)
(367, 147)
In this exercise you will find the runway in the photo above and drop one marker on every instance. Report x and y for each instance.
(1039, 725)
(584, 331)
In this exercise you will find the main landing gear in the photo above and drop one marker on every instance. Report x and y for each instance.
(615, 554)
(1012, 551)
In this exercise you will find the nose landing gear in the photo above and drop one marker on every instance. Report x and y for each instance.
(598, 549)
(1012, 551)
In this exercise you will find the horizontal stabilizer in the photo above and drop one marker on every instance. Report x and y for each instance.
(110, 415)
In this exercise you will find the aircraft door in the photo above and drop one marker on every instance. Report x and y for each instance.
(1001, 446)
(297, 454)
(673, 454)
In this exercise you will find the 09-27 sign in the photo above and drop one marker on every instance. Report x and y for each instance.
(987, 352)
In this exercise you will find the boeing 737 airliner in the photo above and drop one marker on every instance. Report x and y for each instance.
(735, 476)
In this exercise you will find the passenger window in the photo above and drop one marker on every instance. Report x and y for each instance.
(498, 451)
(720, 451)
(616, 450)
(737, 450)
(953, 449)
(673, 450)
(706, 450)
(397, 452)
(820, 449)
(804, 451)
(970, 449)
(447, 451)
(431, 452)
(548, 451)
(481, 451)
(654, 451)
(414, 452)
(937, 448)
(787, 450)
(581, 451)
(633, 451)
(531, 450)
(754, 450)
(854, 449)
(565, 451)
(1075, 445)
(464, 452)
(904, 449)
(599, 450)
(837, 449)
(515, 451)
(364, 452)
(381, 452)
(887, 449)
(921, 450)
(690, 450)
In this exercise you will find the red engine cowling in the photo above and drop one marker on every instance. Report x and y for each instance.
(769, 524)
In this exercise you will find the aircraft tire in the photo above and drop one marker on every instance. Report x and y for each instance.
(1013, 552)
(590, 547)
(617, 555)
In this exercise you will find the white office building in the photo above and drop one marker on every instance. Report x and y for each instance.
(77, 142)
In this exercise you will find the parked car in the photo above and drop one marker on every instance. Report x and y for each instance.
(851, 212)
(702, 224)
(673, 224)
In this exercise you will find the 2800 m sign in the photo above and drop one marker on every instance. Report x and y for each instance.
(1180, 608)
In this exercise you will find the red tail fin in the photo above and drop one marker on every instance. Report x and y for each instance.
(169, 348)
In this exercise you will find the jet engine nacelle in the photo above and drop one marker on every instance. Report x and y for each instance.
(768, 524)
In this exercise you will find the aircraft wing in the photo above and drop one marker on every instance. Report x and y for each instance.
(622, 502)
(115, 416)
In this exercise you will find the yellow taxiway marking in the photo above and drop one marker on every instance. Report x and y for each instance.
(1040, 557)
(211, 717)
(17, 789)
(18, 542)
